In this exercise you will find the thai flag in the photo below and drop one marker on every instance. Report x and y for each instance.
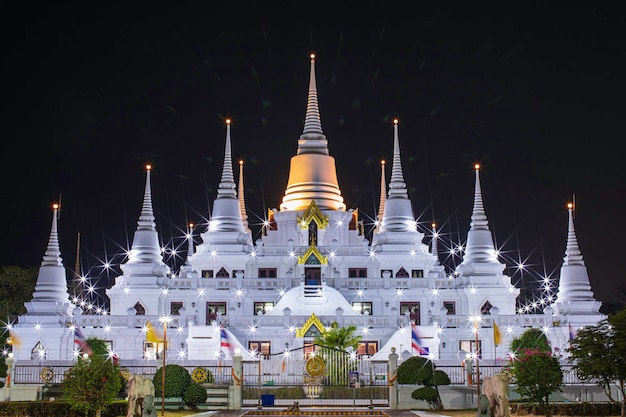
(80, 340)
(224, 342)
(572, 332)
(416, 342)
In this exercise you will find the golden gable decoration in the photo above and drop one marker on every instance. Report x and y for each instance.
(313, 213)
(311, 321)
(318, 258)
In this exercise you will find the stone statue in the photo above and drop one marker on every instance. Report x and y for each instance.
(483, 407)
(496, 389)
(140, 391)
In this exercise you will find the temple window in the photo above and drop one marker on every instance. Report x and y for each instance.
(357, 272)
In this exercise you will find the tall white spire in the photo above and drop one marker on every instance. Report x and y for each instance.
(312, 173)
(434, 247)
(312, 139)
(574, 295)
(50, 302)
(145, 247)
(398, 211)
(480, 257)
(242, 199)
(145, 266)
(383, 196)
(226, 210)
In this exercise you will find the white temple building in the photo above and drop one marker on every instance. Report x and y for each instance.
(313, 266)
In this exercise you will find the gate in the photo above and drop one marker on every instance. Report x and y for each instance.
(315, 376)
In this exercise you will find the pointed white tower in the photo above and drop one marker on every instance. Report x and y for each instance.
(438, 270)
(312, 173)
(242, 200)
(480, 257)
(145, 264)
(186, 271)
(226, 227)
(50, 303)
(574, 295)
(398, 223)
(383, 197)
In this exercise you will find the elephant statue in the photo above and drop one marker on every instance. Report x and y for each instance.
(140, 390)
(496, 389)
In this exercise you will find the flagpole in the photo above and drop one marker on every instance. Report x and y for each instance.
(166, 320)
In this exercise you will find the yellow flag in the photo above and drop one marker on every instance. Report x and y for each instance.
(151, 335)
(497, 337)
(14, 340)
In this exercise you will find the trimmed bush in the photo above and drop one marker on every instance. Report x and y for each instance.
(194, 394)
(177, 379)
(55, 409)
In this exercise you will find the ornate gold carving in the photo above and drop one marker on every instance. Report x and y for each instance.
(313, 213)
(311, 321)
(315, 366)
(312, 251)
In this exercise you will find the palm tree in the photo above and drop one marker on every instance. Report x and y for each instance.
(335, 343)
(339, 338)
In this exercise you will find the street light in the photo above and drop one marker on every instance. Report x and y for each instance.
(165, 320)
(476, 320)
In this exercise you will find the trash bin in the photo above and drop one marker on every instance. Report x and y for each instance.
(267, 400)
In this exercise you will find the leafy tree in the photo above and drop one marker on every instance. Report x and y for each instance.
(340, 338)
(17, 285)
(335, 343)
(531, 339)
(422, 371)
(177, 379)
(597, 354)
(3, 366)
(92, 384)
(538, 374)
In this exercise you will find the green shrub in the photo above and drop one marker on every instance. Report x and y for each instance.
(177, 379)
(55, 409)
(194, 394)
(428, 394)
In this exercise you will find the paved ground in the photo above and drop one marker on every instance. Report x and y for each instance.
(303, 412)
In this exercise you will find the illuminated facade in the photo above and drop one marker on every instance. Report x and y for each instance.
(313, 266)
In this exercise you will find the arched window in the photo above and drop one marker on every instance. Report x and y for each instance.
(39, 352)
(402, 273)
(222, 273)
(139, 308)
(486, 308)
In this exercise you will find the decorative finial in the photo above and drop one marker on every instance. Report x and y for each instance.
(476, 167)
(148, 167)
(396, 121)
(227, 121)
(312, 55)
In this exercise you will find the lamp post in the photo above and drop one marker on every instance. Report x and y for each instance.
(476, 321)
(165, 320)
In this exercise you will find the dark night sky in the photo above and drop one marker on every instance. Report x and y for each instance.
(534, 92)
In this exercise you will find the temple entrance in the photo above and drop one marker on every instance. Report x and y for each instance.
(312, 276)
(315, 375)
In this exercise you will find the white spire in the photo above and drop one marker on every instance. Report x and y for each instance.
(434, 248)
(145, 247)
(312, 173)
(50, 302)
(312, 139)
(383, 195)
(398, 212)
(574, 295)
(480, 256)
(226, 209)
(189, 243)
(242, 199)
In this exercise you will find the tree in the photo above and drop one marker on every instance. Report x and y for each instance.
(92, 384)
(17, 286)
(531, 339)
(597, 354)
(421, 371)
(194, 394)
(538, 374)
(340, 338)
(335, 343)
